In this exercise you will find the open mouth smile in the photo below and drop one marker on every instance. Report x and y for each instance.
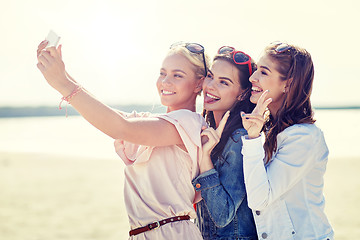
(167, 93)
(210, 98)
(255, 90)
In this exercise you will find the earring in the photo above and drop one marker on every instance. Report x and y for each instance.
(240, 97)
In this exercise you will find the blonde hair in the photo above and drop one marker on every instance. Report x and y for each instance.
(196, 59)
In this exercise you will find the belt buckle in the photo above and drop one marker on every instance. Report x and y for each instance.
(157, 225)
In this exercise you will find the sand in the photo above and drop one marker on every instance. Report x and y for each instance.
(46, 197)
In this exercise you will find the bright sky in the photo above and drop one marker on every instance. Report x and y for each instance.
(114, 48)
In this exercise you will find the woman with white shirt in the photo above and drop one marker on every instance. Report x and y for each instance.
(284, 176)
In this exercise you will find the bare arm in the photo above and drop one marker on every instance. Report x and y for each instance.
(149, 131)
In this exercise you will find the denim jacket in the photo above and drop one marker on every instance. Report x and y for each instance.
(223, 213)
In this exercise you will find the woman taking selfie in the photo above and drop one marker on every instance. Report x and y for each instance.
(161, 152)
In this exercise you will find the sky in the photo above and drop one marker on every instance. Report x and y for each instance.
(115, 48)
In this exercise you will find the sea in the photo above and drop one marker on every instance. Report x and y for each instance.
(74, 136)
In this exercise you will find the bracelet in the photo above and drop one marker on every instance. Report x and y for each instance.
(67, 99)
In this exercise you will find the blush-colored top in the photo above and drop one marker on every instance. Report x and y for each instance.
(158, 179)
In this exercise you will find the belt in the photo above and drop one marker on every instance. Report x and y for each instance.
(157, 224)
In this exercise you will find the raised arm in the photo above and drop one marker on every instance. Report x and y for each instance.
(223, 188)
(107, 120)
(225, 184)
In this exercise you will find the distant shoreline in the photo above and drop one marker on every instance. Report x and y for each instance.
(48, 111)
(337, 108)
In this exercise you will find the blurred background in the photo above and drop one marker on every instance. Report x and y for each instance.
(61, 179)
(115, 48)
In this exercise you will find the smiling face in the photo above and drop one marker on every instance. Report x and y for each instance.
(266, 77)
(221, 88)
(177, 84)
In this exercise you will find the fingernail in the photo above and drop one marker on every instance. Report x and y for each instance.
(242, 114)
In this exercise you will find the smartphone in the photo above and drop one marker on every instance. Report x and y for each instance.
(53, 39)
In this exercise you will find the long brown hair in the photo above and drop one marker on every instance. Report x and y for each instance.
(234, 121)
(296, 66)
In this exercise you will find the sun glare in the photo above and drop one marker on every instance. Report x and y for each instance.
(110, 34)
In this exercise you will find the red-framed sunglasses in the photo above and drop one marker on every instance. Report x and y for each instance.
(239, 57)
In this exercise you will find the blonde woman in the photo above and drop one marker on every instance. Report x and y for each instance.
(161, 152)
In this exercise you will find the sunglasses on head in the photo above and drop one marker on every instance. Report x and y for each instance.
(193, 48)
(281, 47)
(239, 57)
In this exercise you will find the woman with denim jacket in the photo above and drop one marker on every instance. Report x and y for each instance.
(285, 194)
(223, 212)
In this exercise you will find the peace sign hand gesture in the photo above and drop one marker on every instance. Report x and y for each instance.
(254, 122)
(210, 138)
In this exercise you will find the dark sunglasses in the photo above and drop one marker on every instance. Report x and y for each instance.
(239, 57)
(281, 47)
(193, 48)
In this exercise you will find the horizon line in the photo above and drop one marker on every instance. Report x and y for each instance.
(48, 111)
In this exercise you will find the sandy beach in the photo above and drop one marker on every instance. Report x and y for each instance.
(47, 197)
(57, 197)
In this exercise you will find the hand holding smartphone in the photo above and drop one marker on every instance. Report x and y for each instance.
(53, 39)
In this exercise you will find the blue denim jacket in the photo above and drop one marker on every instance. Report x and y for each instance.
(224, 213)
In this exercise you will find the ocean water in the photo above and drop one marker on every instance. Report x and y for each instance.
(73, 136)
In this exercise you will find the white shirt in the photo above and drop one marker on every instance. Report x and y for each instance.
(286, 195)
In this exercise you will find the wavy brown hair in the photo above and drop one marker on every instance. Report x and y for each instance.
(296, 66)
(234, 121)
